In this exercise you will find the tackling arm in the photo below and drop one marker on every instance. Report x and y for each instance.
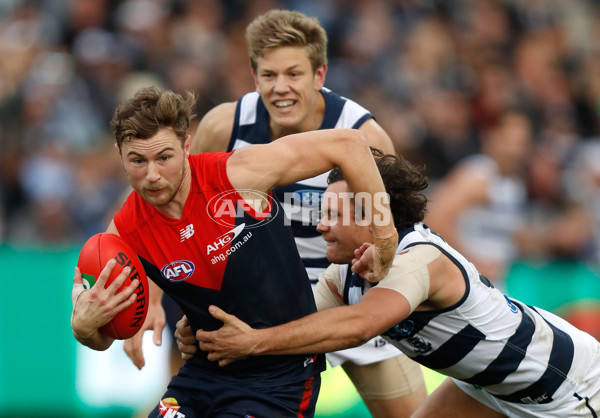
(324, 331)
(407, 286)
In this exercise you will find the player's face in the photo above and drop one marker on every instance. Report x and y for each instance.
(339, 226)
(156, 167)
(290, 89)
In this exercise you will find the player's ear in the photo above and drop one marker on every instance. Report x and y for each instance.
(320, 76)
(186, 144)
(255, 77)
(117, 148)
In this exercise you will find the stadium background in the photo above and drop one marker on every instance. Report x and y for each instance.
(430, 71)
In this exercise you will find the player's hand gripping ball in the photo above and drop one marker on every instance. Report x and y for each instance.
(94, 255)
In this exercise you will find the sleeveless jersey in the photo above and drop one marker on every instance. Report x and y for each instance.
(488, 339)
(224, 253)
(301, 200)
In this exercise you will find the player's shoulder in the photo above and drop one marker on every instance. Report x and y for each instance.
(349, 104)
(215, 128)
(420, 252)
(209, 171)
(208, 160)
(221, 114)
(223, 108)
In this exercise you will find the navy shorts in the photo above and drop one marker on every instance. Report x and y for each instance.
(210, 395)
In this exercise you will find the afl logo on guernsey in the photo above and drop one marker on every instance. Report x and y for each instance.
(226, 207)
(177, 271)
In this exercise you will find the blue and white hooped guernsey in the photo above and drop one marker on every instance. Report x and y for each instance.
(301, 200)
(488, 339)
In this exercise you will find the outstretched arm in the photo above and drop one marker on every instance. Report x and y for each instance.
(300, 156)
(328, 330)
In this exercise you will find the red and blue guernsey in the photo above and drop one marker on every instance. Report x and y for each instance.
(222, 252)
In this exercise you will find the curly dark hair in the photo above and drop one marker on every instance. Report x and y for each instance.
(403, 182)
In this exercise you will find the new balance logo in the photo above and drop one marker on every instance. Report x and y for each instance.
(187, 232)
(309, 360)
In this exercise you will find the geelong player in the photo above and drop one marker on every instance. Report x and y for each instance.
(504, 358)
(209, 231)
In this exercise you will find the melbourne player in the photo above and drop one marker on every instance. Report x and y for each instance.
(209, 230)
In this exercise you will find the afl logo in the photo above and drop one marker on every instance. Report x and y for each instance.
(178, 271)
(227, 206)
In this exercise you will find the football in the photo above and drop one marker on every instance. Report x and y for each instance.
(94, 255)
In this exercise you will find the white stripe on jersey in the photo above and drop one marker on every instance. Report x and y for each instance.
(317, 181)
(351, 113)
(240, 143)
(313, 274)
(537, 354)
(313, 247)
(248, 109)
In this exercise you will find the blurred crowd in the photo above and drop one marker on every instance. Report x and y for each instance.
(438, 76)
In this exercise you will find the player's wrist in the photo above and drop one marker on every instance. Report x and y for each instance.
(80, 332)
(386, 240)
(259, 342)
(83, 335)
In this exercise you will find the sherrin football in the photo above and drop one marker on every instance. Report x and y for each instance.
(94, 255)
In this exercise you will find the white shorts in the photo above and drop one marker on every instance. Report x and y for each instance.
(373, 351)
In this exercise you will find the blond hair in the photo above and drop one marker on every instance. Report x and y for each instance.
(280, 28)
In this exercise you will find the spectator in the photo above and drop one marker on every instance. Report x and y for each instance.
(481, 203)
